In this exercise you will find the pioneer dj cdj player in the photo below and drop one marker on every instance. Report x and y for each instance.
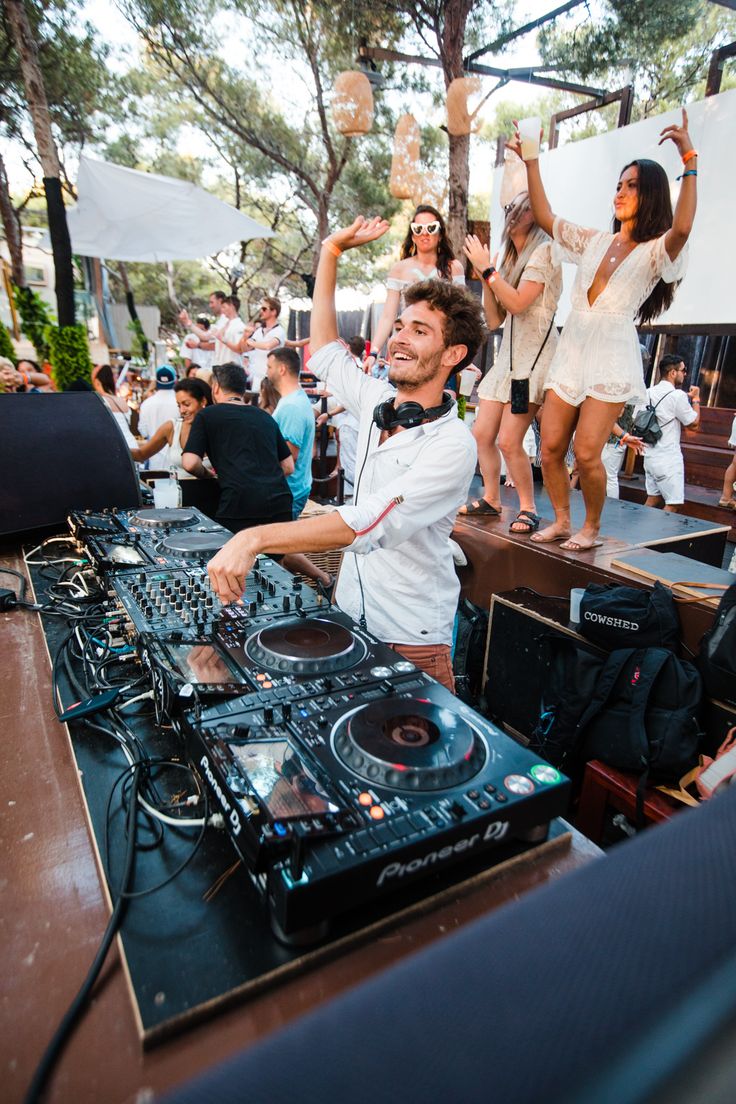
(341, 771)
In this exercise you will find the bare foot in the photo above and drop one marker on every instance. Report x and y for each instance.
(558, 531)
(582, 541)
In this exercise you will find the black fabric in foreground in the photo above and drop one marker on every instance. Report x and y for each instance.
(541, 1001)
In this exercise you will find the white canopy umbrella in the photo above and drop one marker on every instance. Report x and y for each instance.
(126, 215)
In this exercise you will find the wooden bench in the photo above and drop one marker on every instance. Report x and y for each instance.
(604, 787)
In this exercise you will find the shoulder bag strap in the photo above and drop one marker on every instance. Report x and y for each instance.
(541, 347)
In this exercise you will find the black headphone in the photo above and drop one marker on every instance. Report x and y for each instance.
(409, 414)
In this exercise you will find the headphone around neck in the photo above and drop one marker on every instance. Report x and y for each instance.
(409, 414)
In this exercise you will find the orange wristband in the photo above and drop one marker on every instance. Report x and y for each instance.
(689, 156)
(334, 250)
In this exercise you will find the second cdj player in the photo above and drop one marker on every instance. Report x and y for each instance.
(415, 461)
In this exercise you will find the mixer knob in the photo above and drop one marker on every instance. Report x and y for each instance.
(322, 721)
(271, 588)
(253, 609)
(209, 602)
(327, 683)
(268, 714)
(298, 603)
(178, 605)
(287, 603)
(259, 596)
(286, 711)
(296, 585)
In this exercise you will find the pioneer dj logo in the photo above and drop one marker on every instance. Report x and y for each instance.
(496, 830)
(227, 808)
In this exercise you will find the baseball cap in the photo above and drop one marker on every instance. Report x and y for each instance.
(165, 376)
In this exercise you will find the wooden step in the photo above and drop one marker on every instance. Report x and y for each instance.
(700, 502)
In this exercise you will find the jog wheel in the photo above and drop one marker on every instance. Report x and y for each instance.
(408, 744)
(172, 519)
(307, 646)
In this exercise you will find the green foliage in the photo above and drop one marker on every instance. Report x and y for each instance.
(35, 320)
(663, 47)
(74, 73)
(7, 349)
(138, 340)
(462, 406)
(69, 355)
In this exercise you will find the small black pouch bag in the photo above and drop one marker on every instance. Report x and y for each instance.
(614, 616)
(520, 387)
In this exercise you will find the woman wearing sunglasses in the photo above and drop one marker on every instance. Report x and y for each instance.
(523, 291)
(425, 255)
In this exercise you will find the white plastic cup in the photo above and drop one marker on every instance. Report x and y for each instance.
(576, 596)
(166, 494)
(529, 130)
(467, 381)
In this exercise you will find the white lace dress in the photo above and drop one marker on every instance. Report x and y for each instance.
(529, 330)
(598, 354)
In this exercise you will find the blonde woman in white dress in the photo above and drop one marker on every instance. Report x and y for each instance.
(524, 291)
(622, 276)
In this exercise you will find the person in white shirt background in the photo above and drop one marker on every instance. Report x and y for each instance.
(216, 299)
(416, 460)
(258, 342)
(664, 467)
(196, 350)
(158, 408)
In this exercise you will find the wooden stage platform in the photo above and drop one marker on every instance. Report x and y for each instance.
(499, 560)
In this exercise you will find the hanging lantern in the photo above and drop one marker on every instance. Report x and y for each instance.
(405, 158)
(459, 119)
(430, 188)
(513, 178)
(352, 104)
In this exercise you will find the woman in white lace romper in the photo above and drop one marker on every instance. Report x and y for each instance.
(426, 254)
(622, 276)
(526, 287)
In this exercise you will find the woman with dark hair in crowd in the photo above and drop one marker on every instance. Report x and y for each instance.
(623, 276)
(103, 382)
(268, 396)
(523, 291)
(192, 395)
(426, 254)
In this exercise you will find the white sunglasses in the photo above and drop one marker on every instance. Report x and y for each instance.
(425, 227)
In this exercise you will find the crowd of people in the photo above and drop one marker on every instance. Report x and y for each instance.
(408, 459)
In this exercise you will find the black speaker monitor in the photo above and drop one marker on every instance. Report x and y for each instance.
(60, 452)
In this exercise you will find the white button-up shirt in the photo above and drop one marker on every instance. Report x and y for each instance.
(399, 571)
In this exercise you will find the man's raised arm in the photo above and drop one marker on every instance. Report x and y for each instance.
(323, 324)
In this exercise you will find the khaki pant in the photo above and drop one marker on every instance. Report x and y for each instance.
(433, 659)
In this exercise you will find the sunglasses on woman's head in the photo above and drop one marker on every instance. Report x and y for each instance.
(425, 227)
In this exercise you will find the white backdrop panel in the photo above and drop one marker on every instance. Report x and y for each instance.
(580, 179)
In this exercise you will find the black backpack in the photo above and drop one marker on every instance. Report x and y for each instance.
(717, 657)
(646, 423)
(636, 710)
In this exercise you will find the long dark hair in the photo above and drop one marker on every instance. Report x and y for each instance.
(197, 388)
(653, 218)
(104, 376)
(445, 256)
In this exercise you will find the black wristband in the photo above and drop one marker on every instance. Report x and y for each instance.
(487, 272)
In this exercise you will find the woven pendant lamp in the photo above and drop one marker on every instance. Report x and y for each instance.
(459, 119)
(513, 178)
(405, 158)
(352, 104)
(431, 188)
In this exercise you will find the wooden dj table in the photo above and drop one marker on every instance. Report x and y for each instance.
(54, 910)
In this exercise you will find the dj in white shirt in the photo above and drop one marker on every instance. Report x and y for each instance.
(415, 462)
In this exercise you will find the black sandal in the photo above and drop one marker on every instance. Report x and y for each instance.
(479, 508)
(529, 520)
